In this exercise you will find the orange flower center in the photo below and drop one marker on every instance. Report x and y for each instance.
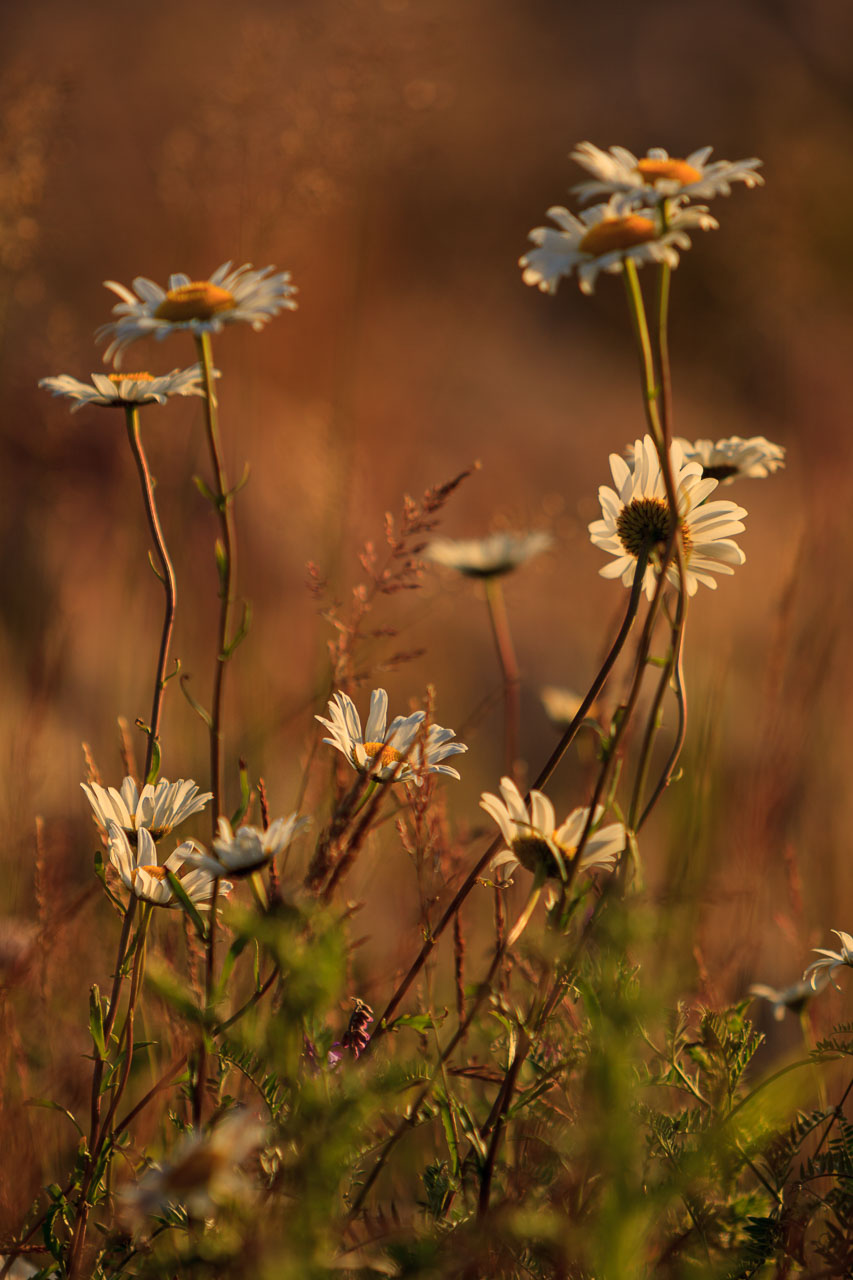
(617, 233)
(669, 170)
(130, 377)
(159, 873)
(387, 755)
(199, 300)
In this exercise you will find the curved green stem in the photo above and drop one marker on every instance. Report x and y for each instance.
(168, 578)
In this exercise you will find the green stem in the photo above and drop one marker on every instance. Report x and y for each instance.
(168, 578)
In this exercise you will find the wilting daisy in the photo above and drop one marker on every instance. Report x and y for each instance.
(831, 960)
(401, 757)
(636, 517)
(535, 841)
(658, 176)
(242, 296)
(795, 997)
(140, 871)
(239, 853)
(203, 1173)
(488, 557)
(159, 808)
(602, 238)
(126, 389)
(734, 458)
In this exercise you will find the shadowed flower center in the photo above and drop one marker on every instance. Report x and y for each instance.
(617, 233)
(156, 833)
(534, 852)
(199, 300)
(723, 471)
(645, 524)
(671, 170)
(130, 377)
(387, 755)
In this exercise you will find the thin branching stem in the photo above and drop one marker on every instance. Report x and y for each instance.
(509, 671)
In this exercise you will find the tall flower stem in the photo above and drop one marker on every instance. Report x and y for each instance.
(167, 576)
(223, 500)
(509, 670)
(544, 775)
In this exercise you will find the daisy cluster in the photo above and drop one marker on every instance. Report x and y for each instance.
(645, 213)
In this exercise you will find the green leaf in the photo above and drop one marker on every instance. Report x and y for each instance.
(189, 907)
(245, 796)
(205, 491)
(157, 571)
(154, 771)
(96, 1019)
(55, 1106)
(196, 706)
(221, 556)
(242, 631)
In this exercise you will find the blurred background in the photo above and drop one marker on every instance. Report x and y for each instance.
(393, 155)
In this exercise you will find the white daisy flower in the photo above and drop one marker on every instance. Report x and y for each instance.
(158, 807)
(248, 849)
(401, 757)
(795, 997)
(636, 516)
(534, 840)
(140, 871)
(734, 458)
(602, 238)
(127, 389)
(203, 1173)
(831, 960)
(488, 557)
(657, 176)
(242, 296)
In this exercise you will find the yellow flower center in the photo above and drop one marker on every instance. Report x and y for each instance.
(387, 755)
(617, 233)
(158, 873)
(130, 377)
(670, 170)
(199, 300)
(534, 852)
(644, 525)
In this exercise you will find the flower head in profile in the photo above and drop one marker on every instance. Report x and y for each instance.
(831, 960)
(488, 557)
(657, 176)
(603, 238)
(126, 390)
(241, 296)
(388, 752)
(734, 458)
(203, 1173)
(636, 518)
(561, 705)
(534, 840)
(157, 807)
(141, 872)
(793, 998)
(248, 849)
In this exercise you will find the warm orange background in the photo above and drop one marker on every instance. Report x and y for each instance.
(393, 155)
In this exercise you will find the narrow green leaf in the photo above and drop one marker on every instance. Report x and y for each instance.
(96, 1019)
(196, 706)
(189, 907)
(50, 1105)
(157, 571)
(245, 796)
(205, 491)
(154, 771)
(221, 556)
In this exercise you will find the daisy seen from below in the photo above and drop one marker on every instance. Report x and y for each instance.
(603, 238)
(241, 296)
(734, 458)
(488, 557)
(203, 1173)
(795, 997)
(657, 176)
(636, 518)
(831, 960)
(248, 849)
(158, 808)
(534, 840)
(146, 878)
(388, 752)
(126, 390)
